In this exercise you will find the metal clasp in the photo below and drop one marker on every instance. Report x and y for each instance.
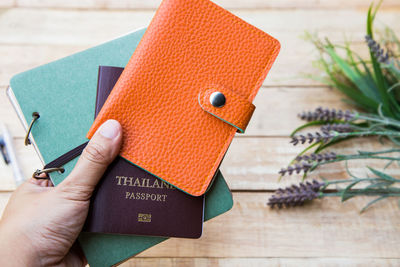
(46, 171)
(35, 116)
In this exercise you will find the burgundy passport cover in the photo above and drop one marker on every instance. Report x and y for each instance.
(129, 200)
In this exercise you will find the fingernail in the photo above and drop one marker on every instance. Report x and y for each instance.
(110, 129)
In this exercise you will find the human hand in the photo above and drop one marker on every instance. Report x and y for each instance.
(41, 223)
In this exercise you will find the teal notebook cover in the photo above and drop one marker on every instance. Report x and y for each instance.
(64, 94)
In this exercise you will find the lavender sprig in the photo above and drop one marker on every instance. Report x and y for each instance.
(326, 114)
(317, 157)
(295, 195)
(379, 53)
(296, 168)
(381, 186)
(337, 127)
(308, 163)
(370, 85)
(316, 160)
(325, 137)
(310, 138)
(384, 58)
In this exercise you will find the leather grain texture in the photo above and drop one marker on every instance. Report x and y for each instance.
(50, 90)
(189, 45)
(125, 191)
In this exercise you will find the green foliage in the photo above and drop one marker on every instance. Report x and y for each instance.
(370, 84)
(382, 186)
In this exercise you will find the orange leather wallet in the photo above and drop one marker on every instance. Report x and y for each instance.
(187, 89)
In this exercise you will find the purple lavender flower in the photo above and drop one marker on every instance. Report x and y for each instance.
(295, 195)
(337, 127)
(310, 137)
(376, 50)
(317, 157)
(296, 168)
(326, 114)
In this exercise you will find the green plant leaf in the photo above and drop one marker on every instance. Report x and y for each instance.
(394, 140)
(393, 70)
(378, 185)
(365, 102)
(382, 175)
(388, 164)
(306, 125)
(348, 171)
(354, 76)
(379, 78)
(368, 75)
(344, 194)
(372, 203)
(353, 103)
(362, 101)
(394, 86)
(323, 146)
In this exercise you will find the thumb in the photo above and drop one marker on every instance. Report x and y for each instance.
(98, 154)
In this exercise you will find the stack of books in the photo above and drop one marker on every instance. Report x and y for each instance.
(181, 89)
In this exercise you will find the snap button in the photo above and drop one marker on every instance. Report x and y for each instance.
(217, 99)
(236, 113)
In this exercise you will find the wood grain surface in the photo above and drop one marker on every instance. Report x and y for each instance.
(323, 233)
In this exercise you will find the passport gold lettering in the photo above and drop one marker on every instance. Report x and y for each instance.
(142, 182)
(145, 196)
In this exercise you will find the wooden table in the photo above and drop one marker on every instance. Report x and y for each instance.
(325, 232)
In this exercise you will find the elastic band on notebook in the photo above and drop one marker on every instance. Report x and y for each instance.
(56, 165)
(35, 116)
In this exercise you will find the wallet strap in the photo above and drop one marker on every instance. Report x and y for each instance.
(65, 158)
(57, 164)
(230, 107)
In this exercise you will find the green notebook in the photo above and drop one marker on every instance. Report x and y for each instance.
(64, 94)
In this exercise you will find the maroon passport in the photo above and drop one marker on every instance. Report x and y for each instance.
(129, 200)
